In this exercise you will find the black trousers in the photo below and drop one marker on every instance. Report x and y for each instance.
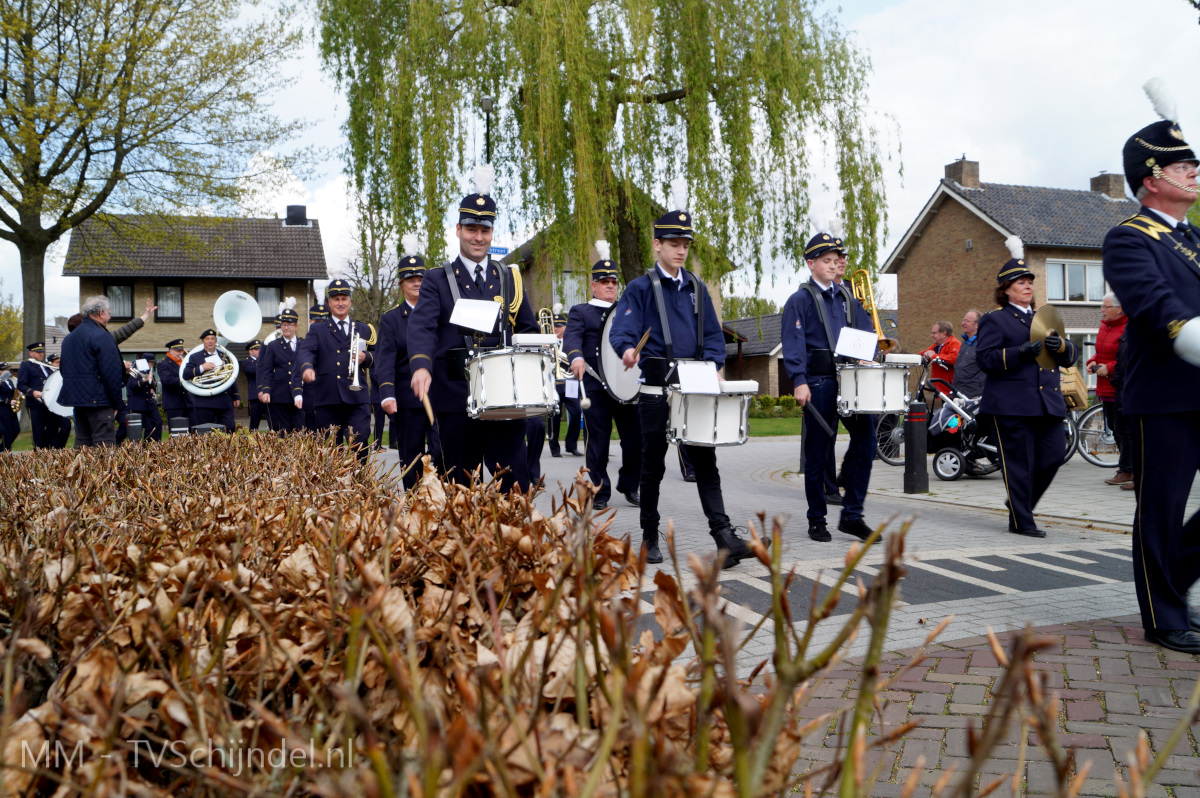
(213, 415)
(655, 415)
(1118, 425)
(256, 414)
(152, 425)
(94, 426)
(1166, 548)
(410, 431)
(380, 420)
(572, 406)
(599, 418)
(535, 443)
(43, 424)
(1031, 451)
(310, 419)
(351, 424)
(467, 443)
(818, 454)
(283, 417)
(10, 428)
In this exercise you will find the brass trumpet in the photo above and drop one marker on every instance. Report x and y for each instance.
(864, 292)
(356, 344)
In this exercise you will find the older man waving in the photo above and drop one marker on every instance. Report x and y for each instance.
(93, 375)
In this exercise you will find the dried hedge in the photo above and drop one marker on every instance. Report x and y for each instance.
(175, 616)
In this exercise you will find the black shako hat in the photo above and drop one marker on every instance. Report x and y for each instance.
(288, 314)
(479, 208)
(1015, 267)
(674, 224)
(318, 312)
(411, 266)
(821, 243)
(1158, 145)
(339, 287)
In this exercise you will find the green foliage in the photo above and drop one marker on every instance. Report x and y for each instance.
(744, 307)
(766, 401)
(787, 404)
(599, 105)
(10, 328)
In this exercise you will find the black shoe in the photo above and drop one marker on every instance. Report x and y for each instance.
(1183, 640)
(833, 498)
(857, 527)
(689, 477)
(600, 504)
(818, 532)
(554, 453)
(633, 498)
(1029, 533)
(1194, 619)
(736, 549)
(574, 454)
(653, 555)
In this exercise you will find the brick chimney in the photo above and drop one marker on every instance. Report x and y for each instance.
(1109, 184)
(964, 172)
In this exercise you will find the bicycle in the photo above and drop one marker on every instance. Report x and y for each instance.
(1096, 442)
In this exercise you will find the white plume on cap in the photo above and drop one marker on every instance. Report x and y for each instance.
(1160, 98)
(409, 243)
(483, 177)
(1016, 246)
(679, 194)
(602, 249)
(558, 306)
(836, 227)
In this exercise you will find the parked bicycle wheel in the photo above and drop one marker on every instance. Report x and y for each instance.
(1097, 444)
(889, 435)
(1072, 436)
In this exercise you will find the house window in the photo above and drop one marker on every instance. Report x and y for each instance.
(120, 298)
(1068, 281)
(169, 299)
(268, 300)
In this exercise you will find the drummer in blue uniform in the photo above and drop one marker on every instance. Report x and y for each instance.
(250, 369)
(176, 401)
(218, 408)
(1152, 262)
(582, 344)
(142, 398)
(275, 376)
(10, 425)
(410, 424)
(568, 405)
(316, 314)
(31, 379)
(437, 350)
(813, 319)
(323, 362)
(689, 311)
(1022, 401)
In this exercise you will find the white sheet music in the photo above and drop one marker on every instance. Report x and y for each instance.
(141, 364)
(215, 359)
(475, 314)
(572, 388)
(857, 344)
(699, 376)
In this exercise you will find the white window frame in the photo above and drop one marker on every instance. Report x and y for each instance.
(1062, 265)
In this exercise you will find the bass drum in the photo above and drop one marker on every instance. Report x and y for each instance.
(50, 393)
(620, 384)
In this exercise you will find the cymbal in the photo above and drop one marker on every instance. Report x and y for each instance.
(1046, 319)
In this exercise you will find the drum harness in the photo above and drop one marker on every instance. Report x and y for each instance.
(816, 294)
(698, 300)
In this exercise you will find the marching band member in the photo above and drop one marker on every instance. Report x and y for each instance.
(10, 425)
(250, 369)
(176, 402)
(565, 402)
(216, 409)
(316, 314)
(275, 376)
(410, 425)
(31, 378)
(582, 342)
(60, 426)
(143, 400)
(813, 318)
(437, 350)
(1151, 262)
(324, 363)
(1022, 401)
(689, 310)
(378, 416)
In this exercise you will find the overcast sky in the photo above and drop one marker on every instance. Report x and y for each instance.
(1040, 92)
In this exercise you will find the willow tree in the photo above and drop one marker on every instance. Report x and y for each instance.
(600, 104)
(140, 106)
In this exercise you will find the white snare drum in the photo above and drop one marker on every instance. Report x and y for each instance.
(700, 419)
(514, 382)
(872, 389)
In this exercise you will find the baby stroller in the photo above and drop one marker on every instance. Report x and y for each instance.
(955, 440)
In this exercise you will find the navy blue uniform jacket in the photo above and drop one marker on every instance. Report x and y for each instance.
(431, 336)
(31, 376)
(391, 357)
(1017, 387)
(93, 374)
(250, 369)
(175, 400)
(582, 339)
(801, 330)
(275, 369)
(1155, 272)
(141, 396)
(327, 352)
(222, 401)
(636, 310)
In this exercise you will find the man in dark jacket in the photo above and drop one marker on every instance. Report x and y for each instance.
(93, 375)
(968, 376)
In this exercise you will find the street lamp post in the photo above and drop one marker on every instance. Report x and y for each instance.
(486, 104)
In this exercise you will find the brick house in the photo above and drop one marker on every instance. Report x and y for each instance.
(185, 263)
(946, 263)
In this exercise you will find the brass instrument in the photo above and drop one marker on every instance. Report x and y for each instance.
(218, 380)
(864, 292)
(356, 344)
(17, 403)
(546, 321)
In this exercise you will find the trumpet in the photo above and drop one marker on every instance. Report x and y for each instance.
(356, 343)
(864, 292)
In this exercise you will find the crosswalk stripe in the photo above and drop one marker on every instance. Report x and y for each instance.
(970, 580)
(1104, 580)
(1069, 557)
(983, 566)
(1116, 555)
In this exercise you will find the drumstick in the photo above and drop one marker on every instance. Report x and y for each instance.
(638, 349)
(584, 402)
(428, 407)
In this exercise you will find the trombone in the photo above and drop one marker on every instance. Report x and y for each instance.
(864, 292)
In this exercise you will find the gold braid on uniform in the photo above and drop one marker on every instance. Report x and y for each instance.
(518, 294)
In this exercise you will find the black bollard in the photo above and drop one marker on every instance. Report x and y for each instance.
(135, 427)
(916, 431)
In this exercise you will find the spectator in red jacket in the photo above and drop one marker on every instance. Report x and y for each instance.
(945, 348)
(1103, 364)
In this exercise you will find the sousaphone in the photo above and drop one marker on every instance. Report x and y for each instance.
(238, 318)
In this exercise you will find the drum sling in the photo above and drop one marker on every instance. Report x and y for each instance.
(456, 360)
(666, 371)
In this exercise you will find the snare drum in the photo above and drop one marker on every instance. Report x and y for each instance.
(514, 382)
(701, 419)
(872, 389)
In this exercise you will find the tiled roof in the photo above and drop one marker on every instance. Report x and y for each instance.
(54, 337)
(1053, 217)
(184, 246)
(762, 334)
